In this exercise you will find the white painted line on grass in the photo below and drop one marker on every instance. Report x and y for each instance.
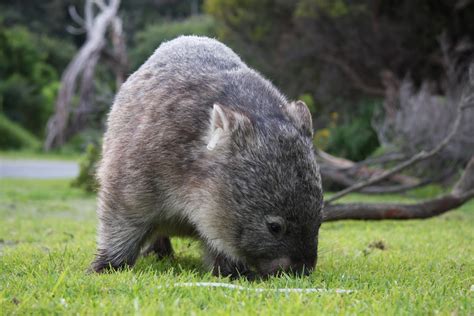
(258, 289)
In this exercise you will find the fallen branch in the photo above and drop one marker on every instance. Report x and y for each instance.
(465, 102)
(341, 172)
(391, 189)
(387, 158)
(462, 192)
(342, 179)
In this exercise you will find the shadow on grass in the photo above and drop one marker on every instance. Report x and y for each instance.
(176, 265)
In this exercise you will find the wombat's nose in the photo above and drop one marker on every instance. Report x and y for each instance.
(274, 267)
(280, 264)
(285, 264)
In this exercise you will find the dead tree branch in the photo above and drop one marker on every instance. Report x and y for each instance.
(387, 158)
(120, 52)
(462, 192)
(466, 101)
(344, 173)
(96, 28)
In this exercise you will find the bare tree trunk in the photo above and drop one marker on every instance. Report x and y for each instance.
(96, 29)
(86, 96)
(120, 52)
(119, 65)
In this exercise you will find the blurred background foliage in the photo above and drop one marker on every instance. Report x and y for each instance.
(30, 69)
(330, 53)
(145, 42)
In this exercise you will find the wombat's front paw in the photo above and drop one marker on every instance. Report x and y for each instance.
(226, 267)
(102, 265)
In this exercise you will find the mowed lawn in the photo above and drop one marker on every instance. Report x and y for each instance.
(47, 239)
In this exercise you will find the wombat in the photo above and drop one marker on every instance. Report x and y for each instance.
(199, 144)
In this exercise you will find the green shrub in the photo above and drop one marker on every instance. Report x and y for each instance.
(148, 40)
(13, 136)
(80, 141)
(24, 103)
(87, 169)
(29, 67)
(356, 139)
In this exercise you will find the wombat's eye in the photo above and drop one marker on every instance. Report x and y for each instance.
(276, 225)
(275, 228)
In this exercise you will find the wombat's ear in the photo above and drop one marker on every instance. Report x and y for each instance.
(300, 115)
(223, 122)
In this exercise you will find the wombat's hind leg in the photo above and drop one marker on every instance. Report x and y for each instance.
(161, 247)
(119, 245)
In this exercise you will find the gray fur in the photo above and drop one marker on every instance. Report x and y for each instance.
(198, 144)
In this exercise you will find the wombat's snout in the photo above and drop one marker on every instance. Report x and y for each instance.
(285, 264)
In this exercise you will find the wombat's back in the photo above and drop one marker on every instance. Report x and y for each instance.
(188, 55)
(161, 113)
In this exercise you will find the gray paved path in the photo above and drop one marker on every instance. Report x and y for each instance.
(38, 169)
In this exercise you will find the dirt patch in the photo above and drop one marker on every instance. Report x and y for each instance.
(378, 244)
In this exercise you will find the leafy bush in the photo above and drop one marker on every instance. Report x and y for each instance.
(152, 36)
(87, 169)
(29, 68)
(355, 139)
(13, 136)
(80, 141)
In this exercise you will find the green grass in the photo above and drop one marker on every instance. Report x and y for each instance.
(38, 155)
(47, 239)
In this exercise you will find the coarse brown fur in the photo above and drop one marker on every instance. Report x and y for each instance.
(198, 144)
